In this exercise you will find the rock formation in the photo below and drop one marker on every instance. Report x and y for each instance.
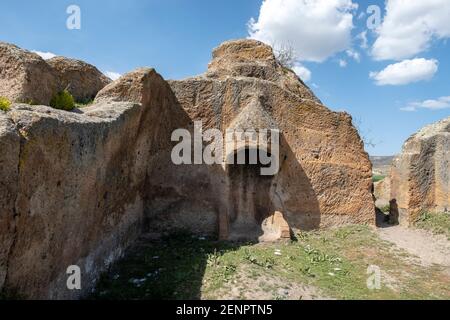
(74, 185)
(325, 177)
(27, 78)
(78, 187)
(420, 176)
(81, 79)
(382, 192)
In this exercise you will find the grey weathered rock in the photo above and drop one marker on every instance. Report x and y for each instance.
(9, 164)
(25, 76)
(81, 79)
(421, 174)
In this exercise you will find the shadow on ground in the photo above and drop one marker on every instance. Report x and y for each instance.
(170, 268)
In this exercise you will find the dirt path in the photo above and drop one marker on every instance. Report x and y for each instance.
(428, 248)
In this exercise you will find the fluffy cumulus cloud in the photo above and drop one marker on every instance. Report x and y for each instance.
(113, 75)
(302, 72)
(405, 72)
(410, 26)
(317, 29)
(432, 104)
(45, 55)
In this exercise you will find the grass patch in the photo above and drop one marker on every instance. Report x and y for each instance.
(438, 223)
(84, 103)
(378, 178)
(5, 104)
(335, 262)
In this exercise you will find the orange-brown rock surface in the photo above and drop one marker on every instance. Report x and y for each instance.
(325, 175)
(420, 176)
(73, 186)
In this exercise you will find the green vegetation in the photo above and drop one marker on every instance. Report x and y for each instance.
(377, 178)
(333, 262)
(385, 209)
(438, 223)
(5, 104)
(84, 104)
(63, 101)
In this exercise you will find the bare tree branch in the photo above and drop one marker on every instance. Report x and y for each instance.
(285, 54)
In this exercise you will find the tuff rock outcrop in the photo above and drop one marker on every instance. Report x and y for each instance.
(81, 79)
(420, 175)
(78, 187)
(73, 186)
(325, 176)
(27, 78)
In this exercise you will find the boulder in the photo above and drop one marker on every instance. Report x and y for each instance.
(420, 176)
(81, 79)
(25, 77)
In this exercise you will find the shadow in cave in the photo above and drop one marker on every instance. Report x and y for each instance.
(388, 220)
(174, 265)
(170, 268)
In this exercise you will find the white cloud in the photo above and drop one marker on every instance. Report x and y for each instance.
(342, 63)
(353, 54)
(363, 38)
(432, 104)
(45, 55)
(113, 75)
(302, 72)
(317, 29)
(410, 26)
(407, 71)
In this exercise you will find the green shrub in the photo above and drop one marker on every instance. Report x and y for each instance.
(377, 178)
(63, 101)
(5, 104)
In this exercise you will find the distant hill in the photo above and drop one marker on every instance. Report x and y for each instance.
(381, 165)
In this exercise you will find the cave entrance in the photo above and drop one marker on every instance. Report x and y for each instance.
(249, 195)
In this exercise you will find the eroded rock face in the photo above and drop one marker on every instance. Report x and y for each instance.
(81, 79)
(9, 160)
(382, 192)
(325, 177)
(74, 186)
(421, 174)
(25, 77)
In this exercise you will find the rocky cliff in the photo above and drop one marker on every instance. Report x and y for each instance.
(420, 176)
(73, 185)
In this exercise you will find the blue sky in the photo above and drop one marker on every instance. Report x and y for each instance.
(177, 36)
